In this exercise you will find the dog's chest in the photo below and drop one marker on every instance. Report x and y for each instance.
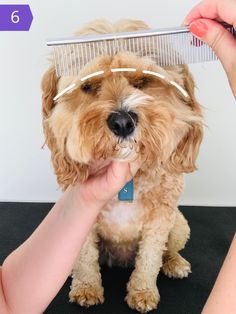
(121, 213)
(121, 221)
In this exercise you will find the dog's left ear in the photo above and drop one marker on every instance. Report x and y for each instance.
(183, 159)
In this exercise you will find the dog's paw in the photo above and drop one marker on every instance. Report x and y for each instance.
(143, 300)
(175, 266)
(86, 294)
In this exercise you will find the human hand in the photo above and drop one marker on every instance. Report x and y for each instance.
(106, 183)
(101, 186)
(203, 23)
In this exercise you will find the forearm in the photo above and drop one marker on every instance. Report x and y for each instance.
(34, 273)
(223, 296)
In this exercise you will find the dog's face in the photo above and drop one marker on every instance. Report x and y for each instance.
(124, 113)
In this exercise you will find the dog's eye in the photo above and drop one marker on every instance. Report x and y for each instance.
(141, 83)
(90, 88)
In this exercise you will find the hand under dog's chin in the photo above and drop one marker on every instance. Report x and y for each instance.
(99, 166)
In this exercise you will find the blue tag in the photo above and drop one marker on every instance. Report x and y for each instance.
(127, 193)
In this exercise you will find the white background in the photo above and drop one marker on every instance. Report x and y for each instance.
(25, 169)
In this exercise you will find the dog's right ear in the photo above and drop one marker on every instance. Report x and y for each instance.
(49, 89)
(67, 171)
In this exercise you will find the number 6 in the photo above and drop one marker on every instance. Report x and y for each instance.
(14, 17)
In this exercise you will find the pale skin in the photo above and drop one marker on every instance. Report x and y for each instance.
(32, 275)
(223, 296)
(203, 20)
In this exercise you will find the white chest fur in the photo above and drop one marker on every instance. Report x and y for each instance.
(122, 213)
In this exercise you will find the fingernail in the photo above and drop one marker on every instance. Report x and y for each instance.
(198, 28)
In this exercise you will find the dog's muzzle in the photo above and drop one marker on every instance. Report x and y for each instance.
(122, 123)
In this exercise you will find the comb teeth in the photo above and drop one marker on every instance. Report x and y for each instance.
(165, 48)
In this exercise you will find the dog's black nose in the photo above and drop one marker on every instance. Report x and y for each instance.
(122, 123)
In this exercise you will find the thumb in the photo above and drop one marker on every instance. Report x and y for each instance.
(118, 174)
(106, 185)
(220, 40)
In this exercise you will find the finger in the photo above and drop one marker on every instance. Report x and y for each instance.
(116, 176)
(135, 166)
(215, 10)
(118, 173)
(106, 185)
(201, 10)
(222, 42)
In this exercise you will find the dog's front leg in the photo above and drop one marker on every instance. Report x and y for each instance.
(143, 294)
(86, 287)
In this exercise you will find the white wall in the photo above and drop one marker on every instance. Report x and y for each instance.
(25, 170)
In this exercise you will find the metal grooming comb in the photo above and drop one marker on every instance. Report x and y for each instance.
(168, 46)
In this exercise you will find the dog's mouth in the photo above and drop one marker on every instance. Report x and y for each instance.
(124, 151)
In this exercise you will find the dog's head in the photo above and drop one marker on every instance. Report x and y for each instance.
(143, 111)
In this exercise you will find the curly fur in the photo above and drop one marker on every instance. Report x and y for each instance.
(150, 231)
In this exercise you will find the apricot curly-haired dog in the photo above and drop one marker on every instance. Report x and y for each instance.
(136, 117)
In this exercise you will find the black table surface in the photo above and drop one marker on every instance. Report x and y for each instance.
(212, 230)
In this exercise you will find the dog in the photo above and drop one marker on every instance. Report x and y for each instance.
(136, 117)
